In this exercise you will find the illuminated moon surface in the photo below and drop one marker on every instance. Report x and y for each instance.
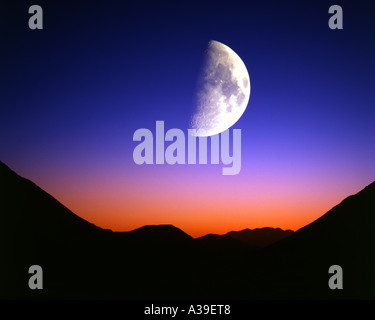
(223, 93)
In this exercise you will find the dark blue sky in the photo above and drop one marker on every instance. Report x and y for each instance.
(73, 94)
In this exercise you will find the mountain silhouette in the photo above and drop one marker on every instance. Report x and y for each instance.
(297, 266)
(260, 237)
(224, 244)
(166, 232)
(81, 260)
(244, 240)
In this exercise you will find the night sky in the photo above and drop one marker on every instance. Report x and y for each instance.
(73, 94)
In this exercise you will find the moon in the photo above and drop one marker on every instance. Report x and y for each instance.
(223, 92)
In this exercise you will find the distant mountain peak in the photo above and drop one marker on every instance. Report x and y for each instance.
(260, 237)
(159, 231)
(162, 261)
(157, 226)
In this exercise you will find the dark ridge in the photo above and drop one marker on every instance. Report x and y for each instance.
(160, 231)
(224, 244)
(344, 236)
(260, 237)
(83, 261)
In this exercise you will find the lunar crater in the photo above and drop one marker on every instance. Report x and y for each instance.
(245, 82)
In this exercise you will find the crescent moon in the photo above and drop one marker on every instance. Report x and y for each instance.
(223, 93)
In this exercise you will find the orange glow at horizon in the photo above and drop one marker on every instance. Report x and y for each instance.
(216, 204)
(218, 220)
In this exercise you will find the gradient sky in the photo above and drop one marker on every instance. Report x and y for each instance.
(72, 95)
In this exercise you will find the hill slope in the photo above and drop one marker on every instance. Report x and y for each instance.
(260, 237)
(298, 265)
(81, 260)
(78, 258)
